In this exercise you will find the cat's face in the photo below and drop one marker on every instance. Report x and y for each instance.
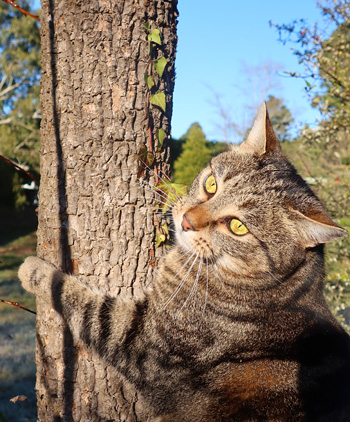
(250, 212)
(236, 214)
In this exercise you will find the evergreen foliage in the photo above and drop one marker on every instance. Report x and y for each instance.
(19, 93)
(194, 157)
(323, 153)
(280, 116)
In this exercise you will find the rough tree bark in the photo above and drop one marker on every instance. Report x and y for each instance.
(94, 219)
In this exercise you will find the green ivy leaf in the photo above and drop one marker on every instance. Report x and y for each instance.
(160, 238)
(150, 159)
(165, 228)
(147, 26)
(149, 81)
(146, 159)
(172, 191)
(142, 155)
(158, 99)
(179, 188)
(154, 36)
(161, 135)
(159, 65)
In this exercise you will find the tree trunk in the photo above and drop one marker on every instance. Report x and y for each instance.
(94, 219)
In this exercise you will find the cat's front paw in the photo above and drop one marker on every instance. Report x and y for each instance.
(36, 275)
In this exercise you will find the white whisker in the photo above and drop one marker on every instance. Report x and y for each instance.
(157, 189)
(153, 199)
(186, 253)
(198, 275)
(195, 283)
(273, 276)
(163, 212)
(159, 214)
(166, 197)
(164, 203)
(160, 177)
(179, 287)
(185, 278)
(206, 290)
(217, 275)
(171, 230)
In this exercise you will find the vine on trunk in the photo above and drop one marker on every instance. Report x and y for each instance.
(149, 154)
(155, 97)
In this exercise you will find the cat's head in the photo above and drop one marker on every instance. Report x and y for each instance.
(250, 212)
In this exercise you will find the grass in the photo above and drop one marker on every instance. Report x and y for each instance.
(17, 333)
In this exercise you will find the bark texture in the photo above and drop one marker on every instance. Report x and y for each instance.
(94, 219)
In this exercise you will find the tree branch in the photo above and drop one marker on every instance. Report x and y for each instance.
(6, 121)
(19, 168)
(12, 3)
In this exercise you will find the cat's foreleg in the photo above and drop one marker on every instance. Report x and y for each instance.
(102, 322)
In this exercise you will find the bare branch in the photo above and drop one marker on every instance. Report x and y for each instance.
(261, 82)
(18, 167)
(37, 114)
(6, 121)
(3, 81)
(17, 305)
(12, 3)
(4, 93)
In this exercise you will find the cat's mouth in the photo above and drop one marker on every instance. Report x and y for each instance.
(199, 245)
(193, 239)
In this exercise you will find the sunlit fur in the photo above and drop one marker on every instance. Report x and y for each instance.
(258, 192)
(234, 328)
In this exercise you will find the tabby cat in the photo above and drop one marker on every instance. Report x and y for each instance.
(236, 326)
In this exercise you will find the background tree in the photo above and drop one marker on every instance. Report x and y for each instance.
(261, 83)
(19, 96)
(261, 80)
(323, 153)
(95, 217)
(194, 157)
(280, 116)
(177, 145)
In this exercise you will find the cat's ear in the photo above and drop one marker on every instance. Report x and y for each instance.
(316, 227)
(262, 138)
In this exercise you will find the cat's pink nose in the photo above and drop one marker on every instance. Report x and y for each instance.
(186, 224)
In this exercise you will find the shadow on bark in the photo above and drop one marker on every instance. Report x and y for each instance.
(69, 358)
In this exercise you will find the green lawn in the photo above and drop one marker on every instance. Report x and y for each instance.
(17, 335)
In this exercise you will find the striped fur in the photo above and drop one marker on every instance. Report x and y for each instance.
(235, 328)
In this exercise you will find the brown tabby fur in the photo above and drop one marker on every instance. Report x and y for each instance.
(235, 328)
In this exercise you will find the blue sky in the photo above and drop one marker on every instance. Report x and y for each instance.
(214, 39)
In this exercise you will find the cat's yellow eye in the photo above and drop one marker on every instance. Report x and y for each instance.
(210, 184)
(237, 227)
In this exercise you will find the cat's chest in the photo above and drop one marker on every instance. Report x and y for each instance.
(264, 387)
(232, 336)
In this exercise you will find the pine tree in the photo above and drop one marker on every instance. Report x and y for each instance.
(195, 155)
